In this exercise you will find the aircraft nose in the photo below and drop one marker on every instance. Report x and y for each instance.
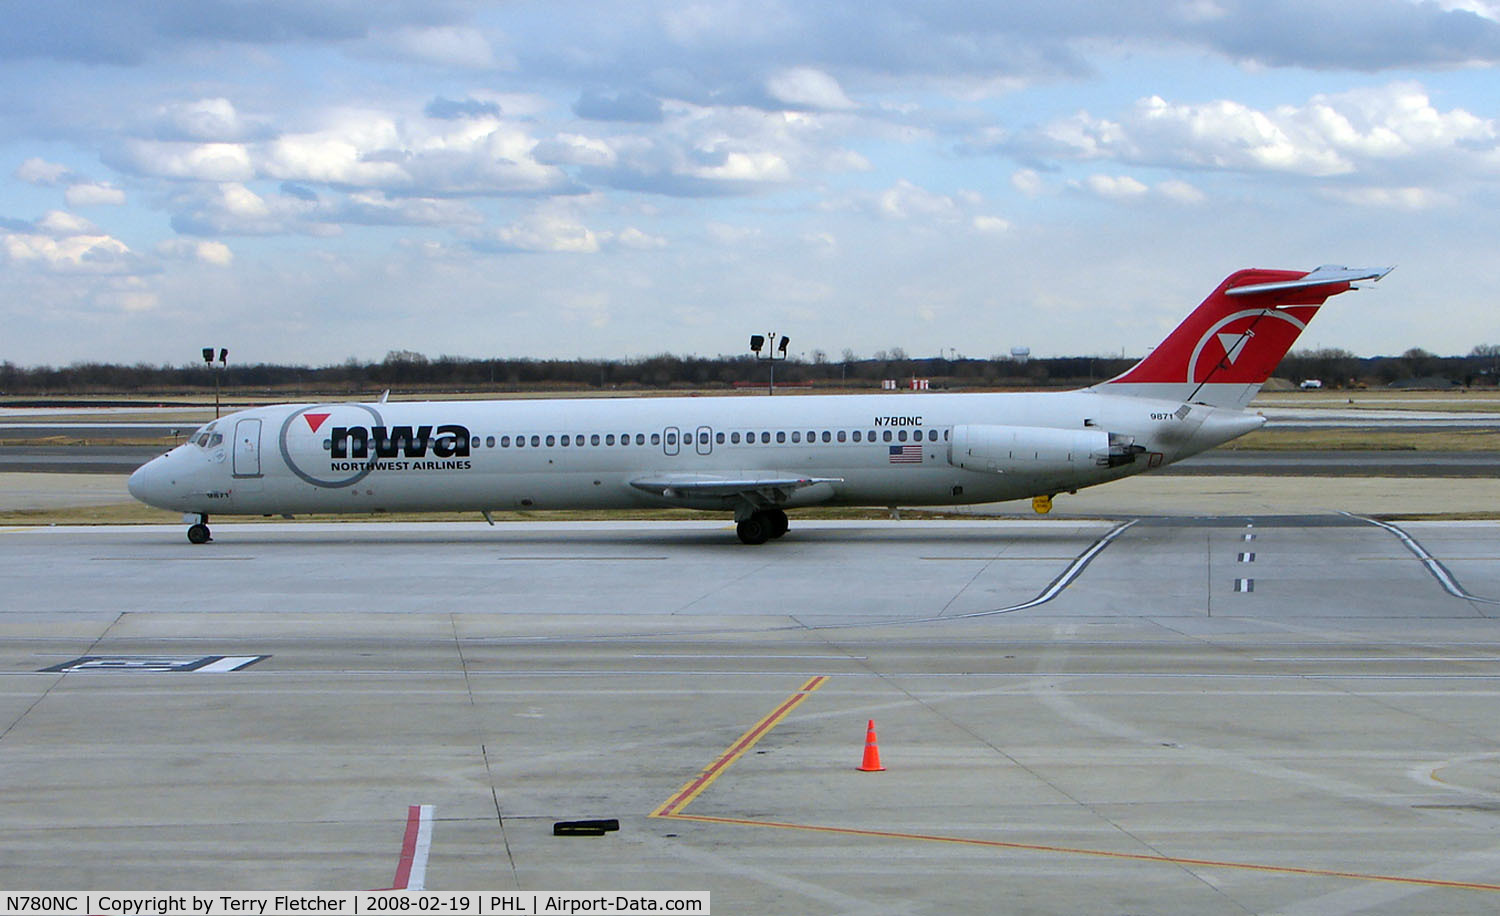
(148, 483)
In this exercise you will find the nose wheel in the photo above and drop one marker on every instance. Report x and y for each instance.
(198, 533)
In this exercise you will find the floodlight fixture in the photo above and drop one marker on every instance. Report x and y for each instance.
(769, 354)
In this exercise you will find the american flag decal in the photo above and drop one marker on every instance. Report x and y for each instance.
(906, 454)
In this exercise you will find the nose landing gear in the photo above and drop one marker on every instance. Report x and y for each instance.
(198, 533)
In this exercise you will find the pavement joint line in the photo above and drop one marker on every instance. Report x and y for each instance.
(695, 786)
(1096, 853)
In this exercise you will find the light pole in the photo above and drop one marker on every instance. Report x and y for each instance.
(208, 359)
(774, 351)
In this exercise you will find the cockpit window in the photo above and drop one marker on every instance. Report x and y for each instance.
(207, 437)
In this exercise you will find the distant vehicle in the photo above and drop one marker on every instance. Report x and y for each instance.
(1311, 384)
(753, 457)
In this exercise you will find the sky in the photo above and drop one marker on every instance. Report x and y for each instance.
(310, 182)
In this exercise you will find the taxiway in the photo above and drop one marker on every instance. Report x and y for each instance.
(1075, 716)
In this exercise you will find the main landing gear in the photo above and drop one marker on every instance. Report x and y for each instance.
(762, 526)
(198, 533)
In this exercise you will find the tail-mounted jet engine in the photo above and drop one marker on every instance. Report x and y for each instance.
(999, 449)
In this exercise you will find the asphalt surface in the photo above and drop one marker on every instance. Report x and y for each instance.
(1074, 717)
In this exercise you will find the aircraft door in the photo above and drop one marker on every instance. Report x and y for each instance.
(669, 440)
(247, 448)
(705, 440)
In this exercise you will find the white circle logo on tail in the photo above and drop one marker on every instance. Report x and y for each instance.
(1234, 343)
(304, 432)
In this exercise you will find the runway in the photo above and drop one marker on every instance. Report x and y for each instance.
(1075, 716)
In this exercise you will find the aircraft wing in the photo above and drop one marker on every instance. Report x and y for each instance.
(758, 490)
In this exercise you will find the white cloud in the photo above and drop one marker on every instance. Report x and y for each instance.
(1027, 181)
(232, 208)
(338, 154)
(634, 238)
(40, 172)
(94, 194)
(127, 294)
(905, 201)
(215, 253)
(727, 234)
(1115, 187)
(1489, 9)
(192, 161)
(808, 88)
(375, 208)
(549, 228)
(212, 119)
(1180, 192)
(365, 149)
(446, 46)
(70, 254)
(576, 149)
(1389, 198)
(991, 224)
(61, 223)
(1365, 131)
(80, 192)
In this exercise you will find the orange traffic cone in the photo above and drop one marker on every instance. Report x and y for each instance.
(871, 763)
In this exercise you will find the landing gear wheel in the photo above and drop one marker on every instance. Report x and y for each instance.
(198, 534)
(778, 520)
(754, 530)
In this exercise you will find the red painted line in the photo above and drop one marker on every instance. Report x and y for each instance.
(690, 791)
(408, 848)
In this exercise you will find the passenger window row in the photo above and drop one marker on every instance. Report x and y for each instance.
(737, 437)
(569, 441)
(812, 436)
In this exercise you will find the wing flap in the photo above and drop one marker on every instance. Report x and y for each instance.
(770, 489)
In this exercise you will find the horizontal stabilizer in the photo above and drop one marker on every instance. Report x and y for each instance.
(1323, 276)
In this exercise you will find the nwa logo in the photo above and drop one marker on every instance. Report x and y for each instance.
(339, 445)
(450, 441)
(1244, 347)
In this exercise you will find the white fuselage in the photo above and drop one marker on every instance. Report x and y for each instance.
(613, 453)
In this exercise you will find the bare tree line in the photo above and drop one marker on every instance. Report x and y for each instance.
(407, 370)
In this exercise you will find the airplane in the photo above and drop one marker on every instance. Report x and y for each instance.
(754, 457)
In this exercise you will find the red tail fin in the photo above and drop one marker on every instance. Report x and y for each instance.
(1230, 344)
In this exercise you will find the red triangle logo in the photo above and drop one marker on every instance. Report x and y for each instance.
(315, 420)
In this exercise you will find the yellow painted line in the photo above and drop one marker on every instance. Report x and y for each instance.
(684, 796)
(1096, 853)
(673, 807)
